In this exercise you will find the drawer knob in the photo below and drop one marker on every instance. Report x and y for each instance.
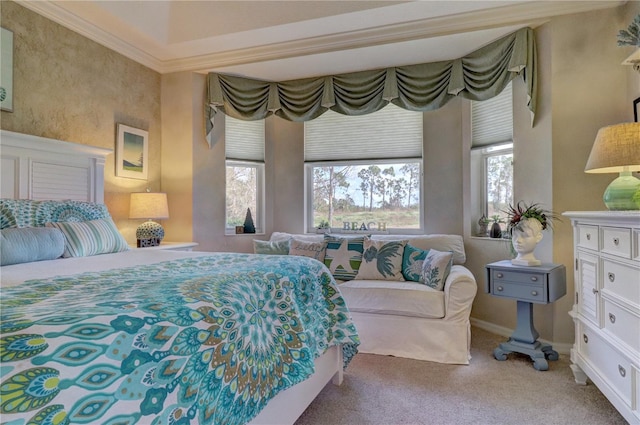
(594, 290)
(588, 236)
(500, 288)
(534, 293)
(622, 371)
(585, 338)
(500, 275)
(612, 276)
(616, 241)
(534, 278)
(612, 318)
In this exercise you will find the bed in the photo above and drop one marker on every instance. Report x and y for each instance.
(157, 337)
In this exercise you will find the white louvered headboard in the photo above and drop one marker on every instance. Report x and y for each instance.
(39, 168)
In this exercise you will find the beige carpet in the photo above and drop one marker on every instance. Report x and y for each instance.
(390, 390)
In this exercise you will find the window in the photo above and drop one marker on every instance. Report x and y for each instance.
(244, 151)
(498, 179)
(365, 172)
(492, 155)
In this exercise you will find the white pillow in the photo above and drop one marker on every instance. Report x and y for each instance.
(87, 238)
(315, 250)
(436, 268)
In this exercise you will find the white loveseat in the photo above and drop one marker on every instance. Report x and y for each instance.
(410, 319)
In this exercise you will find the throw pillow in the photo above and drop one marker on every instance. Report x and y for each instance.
(27, 244)
(381, 260)
(412, 261)
(315, 250)
(436, 268)
(343, 256)
(271, 247)
(93, 237)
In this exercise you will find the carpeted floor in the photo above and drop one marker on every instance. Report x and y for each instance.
(392, 391)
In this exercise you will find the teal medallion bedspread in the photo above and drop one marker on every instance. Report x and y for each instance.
(201, 340)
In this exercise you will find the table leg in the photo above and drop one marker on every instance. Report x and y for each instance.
(525, 331)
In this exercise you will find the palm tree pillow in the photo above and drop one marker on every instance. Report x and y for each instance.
(381, 260)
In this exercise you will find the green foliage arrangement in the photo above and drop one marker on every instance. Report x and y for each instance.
(497, 219)
(324, 224)
(520, 211)
(631, 36)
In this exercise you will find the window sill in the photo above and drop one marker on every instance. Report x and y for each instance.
(487, 238)
(243, 234)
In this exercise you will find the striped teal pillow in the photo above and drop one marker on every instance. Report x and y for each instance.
(87, 238)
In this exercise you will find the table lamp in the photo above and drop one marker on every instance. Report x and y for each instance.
(149, 205)
(617, 150)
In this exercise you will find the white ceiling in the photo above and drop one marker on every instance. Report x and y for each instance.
(281, 40)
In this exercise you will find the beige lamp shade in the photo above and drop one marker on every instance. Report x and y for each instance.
(616, 149)
(148, 205)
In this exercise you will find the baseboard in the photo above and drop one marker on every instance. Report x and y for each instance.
(561, 348)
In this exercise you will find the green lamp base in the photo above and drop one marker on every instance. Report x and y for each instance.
(623, 193)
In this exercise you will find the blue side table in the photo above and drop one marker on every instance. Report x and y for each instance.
(528, 285)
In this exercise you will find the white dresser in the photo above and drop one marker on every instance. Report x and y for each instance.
(606, 307)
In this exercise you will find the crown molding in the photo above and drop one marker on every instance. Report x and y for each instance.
(526, 14)
(60, 15)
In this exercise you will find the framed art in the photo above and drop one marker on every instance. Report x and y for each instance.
(636, 109)
(132, 152)
(6, 70)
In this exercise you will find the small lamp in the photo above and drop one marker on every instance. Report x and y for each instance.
(150, 206)
(617, 150)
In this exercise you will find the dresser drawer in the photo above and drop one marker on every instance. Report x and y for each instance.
(587, 236)
(613, 366)
(518, 277)
(616, 241)
(622, 324)
(622, 280)
(531, 293)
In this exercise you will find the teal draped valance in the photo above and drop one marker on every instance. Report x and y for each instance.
(480, 75)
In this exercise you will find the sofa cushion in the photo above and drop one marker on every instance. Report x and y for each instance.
(412, 261)
(436, 268)
(307, 237)
(316, 250)
(389, 297)
(381, 260)
(343, 256)
(453, 243)
(279, 247)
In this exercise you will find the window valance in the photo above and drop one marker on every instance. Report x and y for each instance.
(480, 75)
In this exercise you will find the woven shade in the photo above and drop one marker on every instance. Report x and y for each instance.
(616, 149)
(148, 205)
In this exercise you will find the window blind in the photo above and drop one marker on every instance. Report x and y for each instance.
(391, 132)
(244, 140)
(492, 120)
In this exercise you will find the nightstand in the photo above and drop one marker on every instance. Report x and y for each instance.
(527, 285)
(172, 246)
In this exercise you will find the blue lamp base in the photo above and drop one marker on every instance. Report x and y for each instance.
(623, 193)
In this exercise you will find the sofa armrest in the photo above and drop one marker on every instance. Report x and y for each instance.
(459, 291)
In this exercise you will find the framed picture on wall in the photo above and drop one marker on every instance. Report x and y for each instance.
(6, 70)
(636, 109)
(132, 152)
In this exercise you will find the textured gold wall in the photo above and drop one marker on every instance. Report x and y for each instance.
(70, 88)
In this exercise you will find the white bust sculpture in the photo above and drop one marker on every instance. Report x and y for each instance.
(525, 237)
